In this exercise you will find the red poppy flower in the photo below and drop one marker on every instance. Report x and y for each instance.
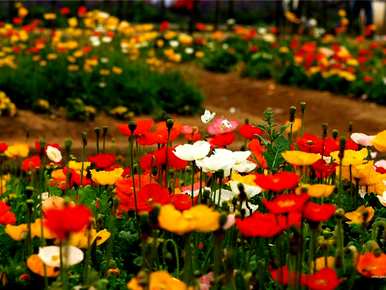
(323, 169)
(267, 225)
(31, 163)
(181, 201)
(184, 4)
(331, 144)
(249, 131)
(3, 147)
(325, 279)
(222, 140)
(6, 215)
(200, 26)
(372, 265)
(64, 10)
(150, 195)
(310, 143)
(143, 126)
(277, 182)
(38, 148)
(380, 169)
(285, 203)
(102, 160)
(164, 26)
(285, 277)
(158, 158)
(70, 219)
(82, 10)
(75, 179)
(318, 212)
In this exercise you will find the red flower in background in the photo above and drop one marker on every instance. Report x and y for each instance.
(82, 10)
(200, 26)
(31, 163)
(147, 197)
(143, 126)
(38, 148)
(3, 147)
(258, 150)
(6, 215)
(325, 279)
(164, 26)
(102, 160)
(184, 4)
(222, 140)
(70, 219)
(331, 145)
(318, 212)
(76, 180)
(277, 182)
(285, 277)
(64, 10)
(286, 203)
(267, 225)
(249, 131)
(323, 169)
(158, 158)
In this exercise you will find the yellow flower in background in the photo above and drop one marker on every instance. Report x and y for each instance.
(81, 239)
(36, 230)
(379, 142)
(316, 190)
(324, 262)
(361, 215)
(106, 177)
(35, 264)
(49, 16)
(157, 281)
(291, 17)
(351, 157)
(77, 166)
(199, 218)
(342, 13)
(17, 150)
(300, 158)
(247, 179)
(17, 233)
(3, 183)
(116, 70)
(296, 125)
(22, 11)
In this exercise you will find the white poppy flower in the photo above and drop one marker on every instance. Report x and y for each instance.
(362, 139)
(195, 151)
(227, 197)
(241, 164)
(250, 190)
(50, 256)
(207, 116)
(221, 159)
(53, 154)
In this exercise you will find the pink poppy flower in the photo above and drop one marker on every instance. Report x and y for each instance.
(221, 125)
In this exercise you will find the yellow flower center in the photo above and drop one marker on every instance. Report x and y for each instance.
(286, 203)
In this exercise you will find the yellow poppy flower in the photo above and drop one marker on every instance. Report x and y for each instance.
(247, 179)
(317, 190)
(17, 150)
(158, 280)
(3, 183)
(361, 215)
(296, 125)
(81, 239)
(17, 233)
(35, 264)
(300, 158)
(351, 157)
(101, 237)
(199, 218)
(106, 177)
(36, 230)
(379, 142)
(322, 262)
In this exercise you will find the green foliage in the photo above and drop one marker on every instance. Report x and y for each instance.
(221, 60)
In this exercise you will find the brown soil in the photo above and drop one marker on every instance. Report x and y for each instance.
(225, 93)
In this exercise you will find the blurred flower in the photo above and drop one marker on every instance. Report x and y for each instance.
(379, 141)
(207, 116)
(316, 190)
(158, 280)
(54, 154)
(106, 177)
(17, 150)
(36, 265)
(350, 157)
(362, 139)
(372, 265)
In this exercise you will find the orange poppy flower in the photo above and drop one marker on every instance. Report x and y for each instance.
(372, 266)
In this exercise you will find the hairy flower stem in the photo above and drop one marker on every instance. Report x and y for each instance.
(177, 256)
(188, 263)
(63, 271)
(311, 253)
(193, 169)
(87, 258)
(200, 190)
(131, 139)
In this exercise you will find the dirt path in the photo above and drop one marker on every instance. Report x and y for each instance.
(225, 93)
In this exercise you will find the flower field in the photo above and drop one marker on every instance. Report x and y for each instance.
(187, 198)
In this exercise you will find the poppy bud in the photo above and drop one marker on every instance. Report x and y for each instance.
(335, 134)
(350, 128)
(132, 126)
(324, 130)
(97, 131)
(339, 212)
(169, 124)
(29, 191)
(302, 107)
(292, 112)
(67, 146)
(84, 138)
(342, 146)
(246, 121)
(104, 131)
